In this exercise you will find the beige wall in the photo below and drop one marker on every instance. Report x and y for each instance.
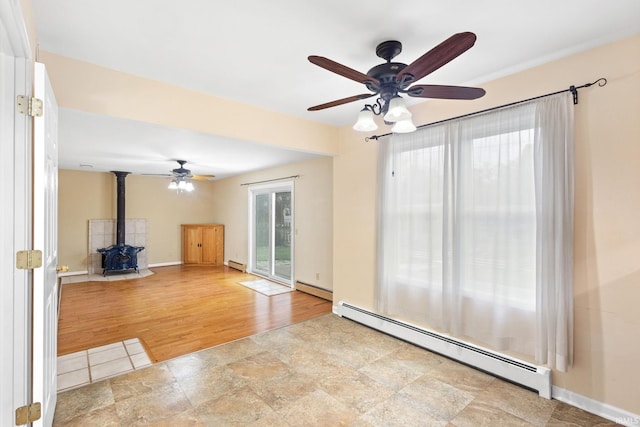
(313, 198)
(81, 196)
(92, 195)
(82, 86)
(607, 201)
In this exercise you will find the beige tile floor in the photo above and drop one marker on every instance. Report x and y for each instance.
(326, 371)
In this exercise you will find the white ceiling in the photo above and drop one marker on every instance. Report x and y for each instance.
(95, 142)
(255, 51)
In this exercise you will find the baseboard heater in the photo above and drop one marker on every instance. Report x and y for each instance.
(520, 372)
(314, 290)
(237, 266)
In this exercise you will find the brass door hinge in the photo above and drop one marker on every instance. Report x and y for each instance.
(28, 413)
(28, 260)
(29, 106)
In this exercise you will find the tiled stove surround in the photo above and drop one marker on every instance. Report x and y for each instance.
(102, 234)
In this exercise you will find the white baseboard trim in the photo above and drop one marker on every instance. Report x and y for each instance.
(165, 264)
(604, 410)
(73, 273)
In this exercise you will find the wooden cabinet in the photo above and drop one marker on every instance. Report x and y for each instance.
(203, 244)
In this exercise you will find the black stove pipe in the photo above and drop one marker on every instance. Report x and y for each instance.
(120, 222)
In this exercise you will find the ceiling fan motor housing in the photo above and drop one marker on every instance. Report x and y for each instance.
(181, 171)
(386, 75)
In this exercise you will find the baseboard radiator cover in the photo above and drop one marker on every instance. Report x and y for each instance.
(518, 371)
(237, 266)
(314, 290)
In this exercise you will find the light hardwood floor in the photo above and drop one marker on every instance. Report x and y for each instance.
(176, 311)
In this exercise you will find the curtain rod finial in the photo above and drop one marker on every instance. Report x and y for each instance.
(601, 82)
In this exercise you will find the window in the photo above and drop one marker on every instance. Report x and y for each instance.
(460, 246)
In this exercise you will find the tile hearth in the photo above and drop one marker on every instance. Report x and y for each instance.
(110, 277)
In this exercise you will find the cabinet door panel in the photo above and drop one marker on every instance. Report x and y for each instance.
(209, 245)
(192, 239)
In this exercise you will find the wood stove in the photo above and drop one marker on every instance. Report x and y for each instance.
(120, 257)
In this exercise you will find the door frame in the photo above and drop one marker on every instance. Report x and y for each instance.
(15, 216)
(268, 188)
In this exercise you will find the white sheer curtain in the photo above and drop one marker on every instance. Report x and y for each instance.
(554, 172)
(461, 246)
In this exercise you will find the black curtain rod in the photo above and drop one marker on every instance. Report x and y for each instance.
(270, 180)
(573, 89)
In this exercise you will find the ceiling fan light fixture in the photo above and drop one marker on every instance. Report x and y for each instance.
(404, 126)
(365, 122)
(173, 185)
(397, 110)
(188, 186)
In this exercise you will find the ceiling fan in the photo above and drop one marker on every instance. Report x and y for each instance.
(390, 79)
(182, 177)
(182, 172)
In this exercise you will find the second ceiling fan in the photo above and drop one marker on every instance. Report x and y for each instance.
(391, 79)
(181, 177)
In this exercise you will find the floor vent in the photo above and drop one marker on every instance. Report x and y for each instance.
(237, 266)
(314, 290)
(520, 372)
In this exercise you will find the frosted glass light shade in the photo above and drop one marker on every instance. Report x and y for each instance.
(173, 185)
(397, 110)
(403, 126)
(365, 122)
(189, 186)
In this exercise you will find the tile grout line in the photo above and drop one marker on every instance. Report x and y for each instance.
(89, 367)
(126, 349)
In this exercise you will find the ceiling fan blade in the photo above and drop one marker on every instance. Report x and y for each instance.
(445, 92)
(203, 177)
(341, 101)
(341, 70)
(446, 51)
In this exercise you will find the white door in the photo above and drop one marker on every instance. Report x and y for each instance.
(45, 238)
(15, 213)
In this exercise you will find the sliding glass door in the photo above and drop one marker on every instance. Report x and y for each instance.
(271, 226)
